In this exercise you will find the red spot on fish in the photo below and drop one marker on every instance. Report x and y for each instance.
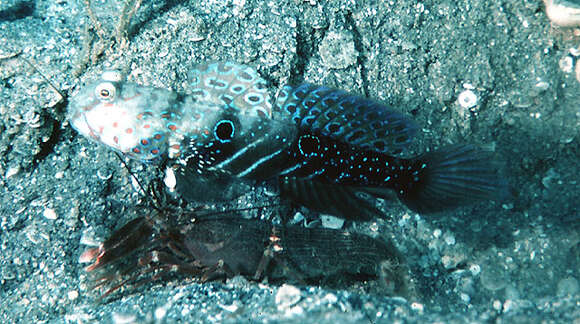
(133, 97)
(144, 142)
(146, 126)
(136, 150)
(116, 139)
(129, 130)
(115, 124)
(172, 127)
(140, 116)
(155, 151)
(166, 115)
(157, 136)
(206, 132)
(176, 147)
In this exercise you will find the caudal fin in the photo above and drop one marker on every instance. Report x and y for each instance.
(455, 176)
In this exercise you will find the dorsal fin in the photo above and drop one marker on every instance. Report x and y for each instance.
(346, 117)
(231, 85)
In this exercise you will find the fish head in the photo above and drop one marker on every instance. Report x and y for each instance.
(123, 116)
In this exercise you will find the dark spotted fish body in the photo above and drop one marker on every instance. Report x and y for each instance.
(328, 149)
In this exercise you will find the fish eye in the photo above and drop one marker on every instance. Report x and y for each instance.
(224, 130)
(105, 91)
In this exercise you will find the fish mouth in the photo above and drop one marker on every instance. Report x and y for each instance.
(79, 122)
(77, 114)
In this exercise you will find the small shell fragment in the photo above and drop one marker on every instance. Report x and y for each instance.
(12, 172)
(467, 99)
(542, 86)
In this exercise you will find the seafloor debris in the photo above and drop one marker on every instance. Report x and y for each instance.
(106, 39)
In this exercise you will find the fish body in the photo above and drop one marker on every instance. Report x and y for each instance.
(327, 148)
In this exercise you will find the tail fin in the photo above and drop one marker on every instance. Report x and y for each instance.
(456, 175)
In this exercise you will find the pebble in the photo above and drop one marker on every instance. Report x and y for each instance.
(337, 50)
(49, 213)
(330, 299)
(417, 307)
(104, 174)
(509, 305)
(567, 287)
(497, 305)
(566, 64)
(493, 279)
(511, 292)
(160, 313)
(475, 269)
(120, 318)
(287, 296)
(73, 294)
(437, 233)
(12, 172)
(449, 239)
(332, 222)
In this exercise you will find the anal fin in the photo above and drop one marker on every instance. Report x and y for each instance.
(337, 200)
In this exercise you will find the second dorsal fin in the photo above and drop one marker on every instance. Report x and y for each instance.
(349, 118)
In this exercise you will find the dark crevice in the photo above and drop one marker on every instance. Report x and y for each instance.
(149, 13)
(361, 58)
(18, 11)
(48, 147)
(304, 51)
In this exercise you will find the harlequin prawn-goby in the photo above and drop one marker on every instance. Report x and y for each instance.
(326, 149)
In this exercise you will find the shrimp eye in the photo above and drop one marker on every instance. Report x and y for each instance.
(224, 130)
(105, 91)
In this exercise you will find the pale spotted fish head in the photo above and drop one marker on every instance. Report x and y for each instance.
(135, 120)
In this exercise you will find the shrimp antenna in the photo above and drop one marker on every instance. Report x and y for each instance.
(62, 95)
(152, 200)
